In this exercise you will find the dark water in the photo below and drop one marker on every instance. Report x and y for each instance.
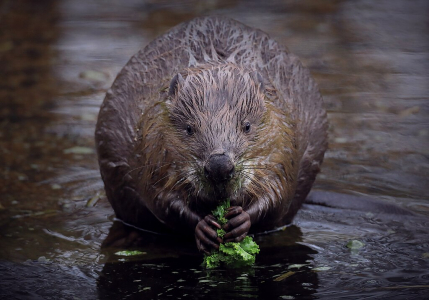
(58, 58)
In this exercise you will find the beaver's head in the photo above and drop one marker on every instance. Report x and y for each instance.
(221, 137)
(216, 112)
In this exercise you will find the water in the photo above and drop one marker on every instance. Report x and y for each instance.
(58, 237)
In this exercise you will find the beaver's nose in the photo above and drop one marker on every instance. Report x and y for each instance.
(219, 168)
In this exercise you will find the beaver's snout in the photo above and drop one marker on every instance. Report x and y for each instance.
(219, 168)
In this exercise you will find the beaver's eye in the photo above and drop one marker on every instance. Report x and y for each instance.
(189, 130)
(246, 127)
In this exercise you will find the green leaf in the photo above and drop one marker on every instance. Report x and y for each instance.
(230, 255)
(220, 233)
(355, 245)
(129, 253)
(219, 212)
(249, 245)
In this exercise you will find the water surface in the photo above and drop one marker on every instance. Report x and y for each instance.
(58, 237)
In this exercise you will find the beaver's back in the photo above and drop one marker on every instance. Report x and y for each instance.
(146, 76)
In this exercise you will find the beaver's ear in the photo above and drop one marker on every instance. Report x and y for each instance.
(178, 79)
(257, 77)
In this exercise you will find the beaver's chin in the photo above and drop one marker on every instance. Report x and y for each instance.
(221, 191)
(212, 194)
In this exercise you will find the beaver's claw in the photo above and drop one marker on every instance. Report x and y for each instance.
(238, 225)
(206, 236)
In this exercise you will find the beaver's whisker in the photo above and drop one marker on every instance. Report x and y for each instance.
(177, 183)
(255, 168)
(259, 183)
(146, 166)
(151, 165)
(162, 178)
(246, 159)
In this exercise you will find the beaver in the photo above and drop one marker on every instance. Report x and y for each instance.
(211, 110)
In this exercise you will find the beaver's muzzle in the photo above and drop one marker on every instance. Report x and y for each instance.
(219, 168)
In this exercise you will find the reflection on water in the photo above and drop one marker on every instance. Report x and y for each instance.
(57, 235)
(182, 275)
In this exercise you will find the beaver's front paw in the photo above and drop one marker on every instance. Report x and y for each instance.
(238, 225)
(206, 236)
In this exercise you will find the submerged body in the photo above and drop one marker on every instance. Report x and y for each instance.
(212, 110)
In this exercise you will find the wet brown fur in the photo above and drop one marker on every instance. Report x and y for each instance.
(154, 172)
(216, 100)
